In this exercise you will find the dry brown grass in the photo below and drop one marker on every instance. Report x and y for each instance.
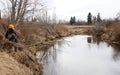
(31, 33)
(9, 66)
(114, 31)
(110, 33)
(25, 32)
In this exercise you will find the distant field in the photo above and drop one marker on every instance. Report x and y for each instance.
(83, 26)
(79, 29)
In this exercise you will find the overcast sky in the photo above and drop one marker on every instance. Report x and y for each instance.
(66, 8)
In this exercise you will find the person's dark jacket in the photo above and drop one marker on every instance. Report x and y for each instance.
(12, 33)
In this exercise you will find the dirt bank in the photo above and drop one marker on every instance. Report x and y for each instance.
(9, 66)
(16, 55)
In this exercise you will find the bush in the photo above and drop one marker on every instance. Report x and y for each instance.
(115, 30)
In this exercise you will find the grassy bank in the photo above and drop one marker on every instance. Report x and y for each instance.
(109, 33)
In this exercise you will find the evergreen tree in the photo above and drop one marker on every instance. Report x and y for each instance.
(72, 20)
(98, 18)
(0, 15)
(89, 18)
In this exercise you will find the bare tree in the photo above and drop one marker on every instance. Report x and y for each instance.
(54, 17)
(43, 16)
(18, 10)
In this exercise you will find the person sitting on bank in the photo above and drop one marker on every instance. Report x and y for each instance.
(11, 34)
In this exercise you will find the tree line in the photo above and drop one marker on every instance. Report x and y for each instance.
(90, 19)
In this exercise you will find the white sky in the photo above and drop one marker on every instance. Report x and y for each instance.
(64, 9)
(80, 8)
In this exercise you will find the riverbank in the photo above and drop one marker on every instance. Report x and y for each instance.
(33, 38)
(110, 33)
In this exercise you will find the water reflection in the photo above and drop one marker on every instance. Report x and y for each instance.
(51, 54)
(89, 39)
(116, 54)
(81, 55)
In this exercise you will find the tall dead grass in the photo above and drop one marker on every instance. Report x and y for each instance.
(114, 29)
(109, 33)
(9, 66)
(32, 32)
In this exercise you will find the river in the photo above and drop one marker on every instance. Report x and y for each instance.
(81, 55)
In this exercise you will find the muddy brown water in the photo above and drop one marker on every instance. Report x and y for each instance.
(80, 55)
